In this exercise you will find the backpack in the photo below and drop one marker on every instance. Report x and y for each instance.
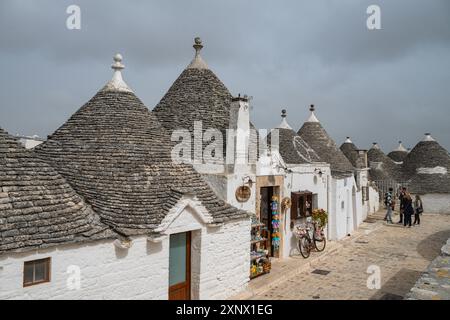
(387, 199)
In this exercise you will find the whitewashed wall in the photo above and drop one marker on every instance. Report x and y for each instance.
(106, 272)
(236, 180)
(363, 181)
(436, 203)
(220, 264)
(343, 212)
(374, 200)
(361, 210)
(225, 260)
(303, 179)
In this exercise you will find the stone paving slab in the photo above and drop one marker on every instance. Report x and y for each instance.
(435, 282)
(401, 254)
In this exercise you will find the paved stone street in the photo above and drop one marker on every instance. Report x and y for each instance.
(402, 254)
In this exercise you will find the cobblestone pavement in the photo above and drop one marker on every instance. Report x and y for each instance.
(402, 255)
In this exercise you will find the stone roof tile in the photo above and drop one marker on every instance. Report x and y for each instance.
(38, 208)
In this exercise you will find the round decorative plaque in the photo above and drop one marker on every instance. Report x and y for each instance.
(243, 193)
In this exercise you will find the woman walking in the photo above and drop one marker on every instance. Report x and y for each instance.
(418, 209)
(408, 210)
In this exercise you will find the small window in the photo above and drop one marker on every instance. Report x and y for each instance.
(302, 204)
(36, 272)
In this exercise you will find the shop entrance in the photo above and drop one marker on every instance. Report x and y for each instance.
(180, 266)
(266, 215)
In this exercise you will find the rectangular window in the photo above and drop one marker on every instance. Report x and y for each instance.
(302, 204)
(36, 272)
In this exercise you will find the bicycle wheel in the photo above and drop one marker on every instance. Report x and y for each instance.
(304, 246)
(320, 244)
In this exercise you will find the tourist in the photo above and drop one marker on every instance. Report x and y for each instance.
(401, 199)
(389, 202)
(418, 209)
(408, 210)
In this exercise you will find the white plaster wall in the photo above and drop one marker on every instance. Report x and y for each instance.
(436, 203)
(220, 263)
(302, 179)
(361, 210)
(236, 180)
(374, 200)
(225, 260)
(363, 181)
(106, 272)
(342, 221)
(269, 165)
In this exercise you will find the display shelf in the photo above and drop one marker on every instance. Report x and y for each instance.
(260, 240)
(259, 256)
(259, 244)
(256, 225)
(258, 274)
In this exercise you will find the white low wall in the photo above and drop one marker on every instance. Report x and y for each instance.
(436, 203)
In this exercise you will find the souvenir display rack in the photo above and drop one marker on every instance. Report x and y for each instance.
(259, 254)
(275, 225)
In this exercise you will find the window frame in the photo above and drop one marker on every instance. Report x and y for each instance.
(295, 197)
(47, 278)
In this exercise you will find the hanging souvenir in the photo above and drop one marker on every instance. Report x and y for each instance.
(275, 223)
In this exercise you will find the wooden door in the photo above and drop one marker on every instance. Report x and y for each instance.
(180, 266)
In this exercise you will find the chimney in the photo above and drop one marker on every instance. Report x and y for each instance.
(240, 122)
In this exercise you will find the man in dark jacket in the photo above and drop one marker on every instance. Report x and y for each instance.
(402, 201)
(408, 210)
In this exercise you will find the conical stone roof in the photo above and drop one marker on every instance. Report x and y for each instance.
(292, 148)
(38, 209)
(197, 95)
(116, 154)
(427, 167)
(349, 149)
(381, 166)
(316, 136)
(399, 154)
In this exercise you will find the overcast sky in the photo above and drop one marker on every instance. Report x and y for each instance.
(373, 85)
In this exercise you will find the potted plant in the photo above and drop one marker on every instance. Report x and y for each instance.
(321, 217)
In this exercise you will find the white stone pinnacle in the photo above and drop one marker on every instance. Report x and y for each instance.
(197, 62)
(348, 140)
(401, 147)
(428, 137)
(117, 83)
(312, 118)
(284, 124)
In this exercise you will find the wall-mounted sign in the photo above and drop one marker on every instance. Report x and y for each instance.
(243, 193)
(286, 203)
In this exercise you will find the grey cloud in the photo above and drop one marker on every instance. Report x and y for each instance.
(372, 85)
